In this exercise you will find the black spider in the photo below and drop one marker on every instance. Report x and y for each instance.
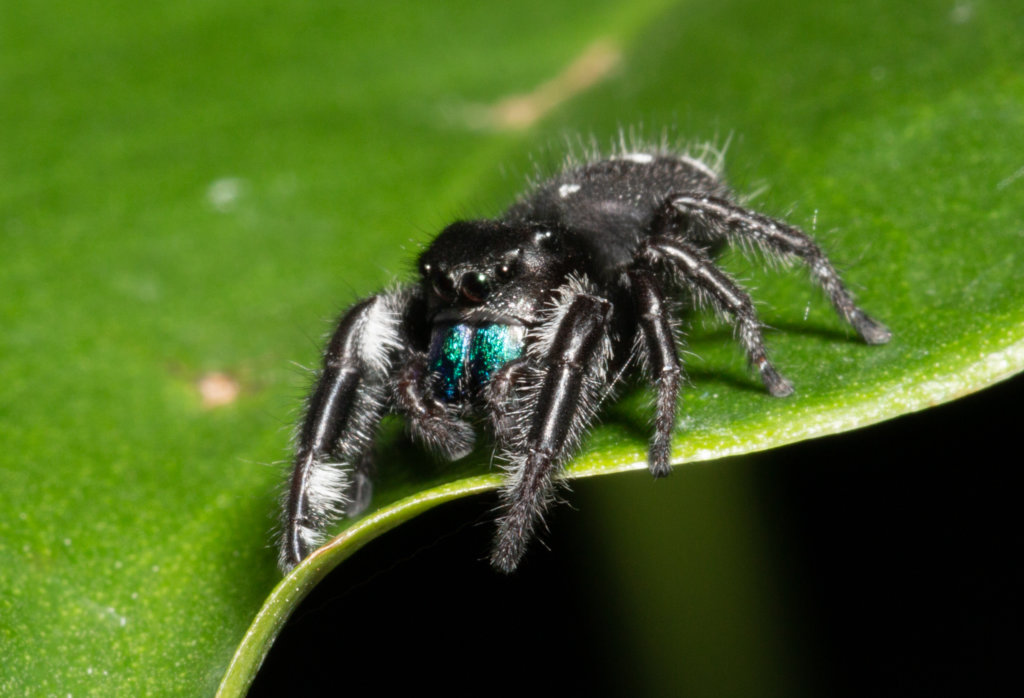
(529, 320)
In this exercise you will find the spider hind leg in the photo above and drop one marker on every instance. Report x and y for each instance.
(720, 218)
(712, 285)
(658, 349)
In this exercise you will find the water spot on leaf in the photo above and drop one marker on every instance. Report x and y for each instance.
(223, 194)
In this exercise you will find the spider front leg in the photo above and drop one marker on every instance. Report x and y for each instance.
(335, 440)
(698, 272)
(571, 357)
(721, 218)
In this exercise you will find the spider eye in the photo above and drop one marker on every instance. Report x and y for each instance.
(476, 286)
(504, 271)
(443, 286)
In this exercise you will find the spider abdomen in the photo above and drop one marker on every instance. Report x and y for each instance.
(613, 204)
(463, 357)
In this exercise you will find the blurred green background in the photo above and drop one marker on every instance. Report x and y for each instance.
(192, 190)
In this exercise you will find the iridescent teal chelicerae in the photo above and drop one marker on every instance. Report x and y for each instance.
(464, 357)
(493, 347)
(448, 352)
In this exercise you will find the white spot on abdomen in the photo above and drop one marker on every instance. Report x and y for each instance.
(567, 189)
(642, 158)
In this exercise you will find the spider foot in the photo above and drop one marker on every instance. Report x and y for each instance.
(508, 550)
(869, 329)
(659, 455)
(515, 530)
(524, 508)
(777, 385)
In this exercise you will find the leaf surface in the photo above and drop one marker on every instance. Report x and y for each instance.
(191, 191)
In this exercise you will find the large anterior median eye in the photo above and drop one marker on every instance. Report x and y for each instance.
(475, 286)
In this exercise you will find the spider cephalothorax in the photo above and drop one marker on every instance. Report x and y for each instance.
(527, 321)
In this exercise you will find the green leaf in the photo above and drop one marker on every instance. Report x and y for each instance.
(190, 192)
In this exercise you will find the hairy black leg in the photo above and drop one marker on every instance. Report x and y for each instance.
(500, 398)
(662, 360)
(574, 361)
(699, 273)
(718, 216)
(430, 420)
(336, 434)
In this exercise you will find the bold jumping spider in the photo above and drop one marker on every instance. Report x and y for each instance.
(529, 320)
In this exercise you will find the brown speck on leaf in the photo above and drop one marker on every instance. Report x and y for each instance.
(217, 389)
(524, 110)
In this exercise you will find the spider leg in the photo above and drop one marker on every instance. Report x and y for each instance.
(572, 354)
(500, 398)
(662, 360)
(720, 217)
(430, 420)
(698, 271)
(334, 444)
